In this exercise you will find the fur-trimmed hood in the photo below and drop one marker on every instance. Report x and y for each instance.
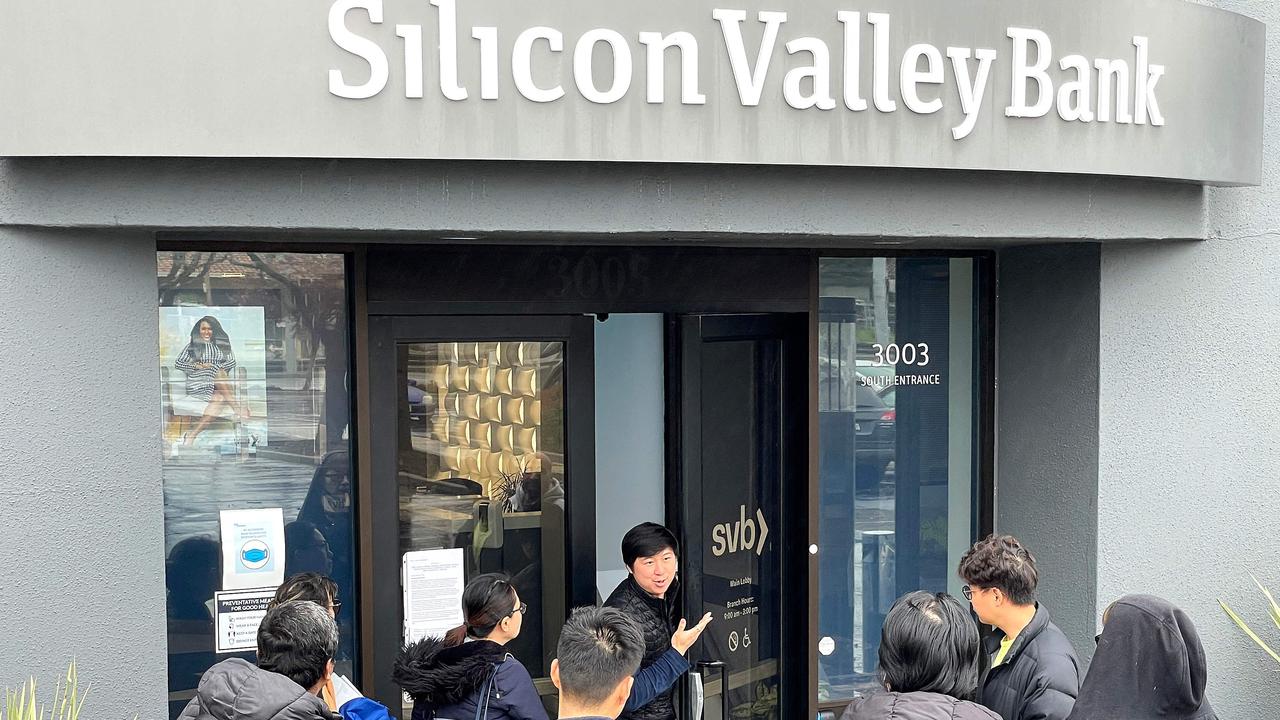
(438, 676)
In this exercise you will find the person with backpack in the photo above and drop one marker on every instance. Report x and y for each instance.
(468, 674)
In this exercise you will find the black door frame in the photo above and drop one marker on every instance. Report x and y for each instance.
(386, 394)
(388, 278)
(684, 372)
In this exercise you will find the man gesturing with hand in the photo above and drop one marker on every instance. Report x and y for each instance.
(647, 597)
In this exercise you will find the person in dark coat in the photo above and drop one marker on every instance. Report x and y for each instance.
(1149, 665)
(469, 669)
(648, 596)
(930, 663)
(1035, 674)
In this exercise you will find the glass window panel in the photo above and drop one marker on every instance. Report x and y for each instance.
(897, 379)
(254, 414)
(481, 467)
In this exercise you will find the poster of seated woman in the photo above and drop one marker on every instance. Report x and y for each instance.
(214, 364)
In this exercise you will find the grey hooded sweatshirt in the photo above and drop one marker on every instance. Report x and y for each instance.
(915, 706)
(237, 690)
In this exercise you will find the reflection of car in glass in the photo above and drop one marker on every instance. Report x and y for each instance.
(417, 398)
(871, 369)
(875, 435)
(889, 395)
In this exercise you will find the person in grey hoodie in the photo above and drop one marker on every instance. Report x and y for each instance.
(930, 663)
(296, 642)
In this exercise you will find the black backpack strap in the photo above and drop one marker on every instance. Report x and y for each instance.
(486, 690)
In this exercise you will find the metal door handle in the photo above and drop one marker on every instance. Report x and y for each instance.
(724, 683)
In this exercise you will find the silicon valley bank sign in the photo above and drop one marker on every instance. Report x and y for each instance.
(1121, 90)
(1144, 88)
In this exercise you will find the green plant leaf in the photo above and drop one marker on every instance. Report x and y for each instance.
(1249, 631)
(1273, 609)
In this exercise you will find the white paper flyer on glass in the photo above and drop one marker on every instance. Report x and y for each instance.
(433, 581)
(252, 548)
(237, 615)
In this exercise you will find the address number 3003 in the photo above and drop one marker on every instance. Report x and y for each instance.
(901, 354)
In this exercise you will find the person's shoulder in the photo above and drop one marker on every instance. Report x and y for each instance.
(1053, 642)
(512, 669)
(622, 596)
(967, 710)
(876, 705)
(362, 708)
(881, 705)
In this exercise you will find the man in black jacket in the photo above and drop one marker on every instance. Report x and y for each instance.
(648, 597)
(1035, 674)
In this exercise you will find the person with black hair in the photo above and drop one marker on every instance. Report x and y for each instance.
(296, 643)
(930, 663)
(310, 586)
(208, 362)
(306, 550)
(1149, 665)
(469, 673)
(319, 589)
(1035, 674)
(598, 653)
(648, 596)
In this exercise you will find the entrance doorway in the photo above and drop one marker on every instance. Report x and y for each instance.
(740, 502)
(483, 440)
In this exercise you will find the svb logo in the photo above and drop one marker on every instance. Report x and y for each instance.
(744, 534)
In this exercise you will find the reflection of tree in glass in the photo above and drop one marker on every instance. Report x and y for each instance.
(300, 291)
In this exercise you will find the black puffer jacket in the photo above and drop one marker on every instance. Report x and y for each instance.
(1040, 676)
(915, 706)
(657, 617)
(446, 682)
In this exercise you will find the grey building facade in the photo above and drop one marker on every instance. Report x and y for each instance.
(1118, 419)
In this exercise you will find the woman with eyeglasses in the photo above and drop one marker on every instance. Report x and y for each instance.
(469, 673)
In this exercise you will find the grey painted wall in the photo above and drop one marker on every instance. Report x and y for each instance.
(1047, 415)
(595, 203)
(1190, 349)
(82, 540)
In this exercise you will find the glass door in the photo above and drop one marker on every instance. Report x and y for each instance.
(742, 508)
(482, 441)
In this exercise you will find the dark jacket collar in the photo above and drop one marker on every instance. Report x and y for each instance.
(1038, 623)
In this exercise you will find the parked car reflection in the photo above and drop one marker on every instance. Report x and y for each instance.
(875, 435)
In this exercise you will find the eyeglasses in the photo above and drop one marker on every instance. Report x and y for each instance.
(336, 604)
(967, 592)
(522, 608)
